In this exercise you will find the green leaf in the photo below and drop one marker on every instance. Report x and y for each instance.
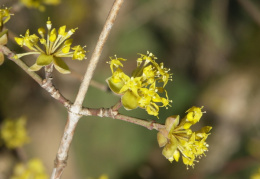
(129, 100)
(35, 67)
(60, 65)
(44, 60)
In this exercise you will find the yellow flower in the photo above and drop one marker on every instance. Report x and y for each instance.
(38, 4)
(13, 133)
(5, 16)
(56, 45)
(33, 169)
(256, 175)
(179, 140)
(143, 87)
(104, 176)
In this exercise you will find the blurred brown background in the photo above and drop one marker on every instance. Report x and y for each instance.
(213, 50)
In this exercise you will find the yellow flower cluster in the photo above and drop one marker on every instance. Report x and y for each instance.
(5, 16)
(256, 175)
(177, 138)
(141, 89)
(34, 169)
(13, 132)
(56, 45)
(104, 176)
(38, 4)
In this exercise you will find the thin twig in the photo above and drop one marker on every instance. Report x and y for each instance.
(96, 54)
(109, 112)
(117, 106)
(62, 155)
(10, 55)
(48, 72)
(43, 83)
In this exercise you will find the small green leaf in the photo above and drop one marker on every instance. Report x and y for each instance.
(35, 67)
(44, 60)
(129, 100)
(60, 65)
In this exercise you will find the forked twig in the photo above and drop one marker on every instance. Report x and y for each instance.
(48, 86)
(96, 54)
(113, 113)
(73, 117)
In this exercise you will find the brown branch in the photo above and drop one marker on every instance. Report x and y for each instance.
(251, 9)
(46, 84)
(117, 106)
(62, 154)
(96, 54)
(10, 55)
(55, 93)
(109, 112)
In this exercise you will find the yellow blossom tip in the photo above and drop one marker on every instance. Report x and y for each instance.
(13, 132)
(32, 169)
(189, 144)
(143, 82)
(56, 45)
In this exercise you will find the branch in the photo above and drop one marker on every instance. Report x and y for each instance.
(117, 106)
(109, 112)
(96, 54)
(62, 154)
(45, 84)
(10, 55)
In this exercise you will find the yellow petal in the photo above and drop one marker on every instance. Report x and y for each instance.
(176, 155)
(152, 109)
(53, 35)
(62, 31)
(19, 41)
(187, 125)
(41, 31)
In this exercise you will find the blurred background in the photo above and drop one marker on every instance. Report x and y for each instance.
(212, 48)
